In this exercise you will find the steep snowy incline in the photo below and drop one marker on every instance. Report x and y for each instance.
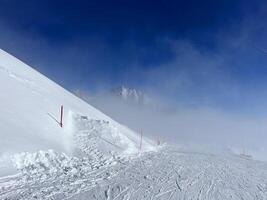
(28, 100)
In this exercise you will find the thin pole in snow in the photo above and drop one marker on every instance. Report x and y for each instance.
(141, 139)
(61, 117)
(158, 142)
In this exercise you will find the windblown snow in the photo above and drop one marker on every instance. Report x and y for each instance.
(94, 157)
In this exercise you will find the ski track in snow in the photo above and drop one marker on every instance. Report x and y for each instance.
(166, 174)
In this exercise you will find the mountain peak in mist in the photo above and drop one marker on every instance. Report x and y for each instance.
(130, 94)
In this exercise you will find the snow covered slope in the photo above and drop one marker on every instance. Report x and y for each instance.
(28, 103)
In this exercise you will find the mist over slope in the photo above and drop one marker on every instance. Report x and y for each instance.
(203, 128)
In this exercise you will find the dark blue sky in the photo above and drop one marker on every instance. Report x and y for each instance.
(205, 52)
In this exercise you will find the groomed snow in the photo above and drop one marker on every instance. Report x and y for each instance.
(170, 173)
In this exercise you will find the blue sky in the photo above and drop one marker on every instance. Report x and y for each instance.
(201, 53)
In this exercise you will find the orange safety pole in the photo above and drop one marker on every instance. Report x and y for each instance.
(61, 117)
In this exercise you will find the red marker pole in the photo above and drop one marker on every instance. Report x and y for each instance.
(141, 139)
(61, 117)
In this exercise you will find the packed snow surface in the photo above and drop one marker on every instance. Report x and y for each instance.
(169, 173)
